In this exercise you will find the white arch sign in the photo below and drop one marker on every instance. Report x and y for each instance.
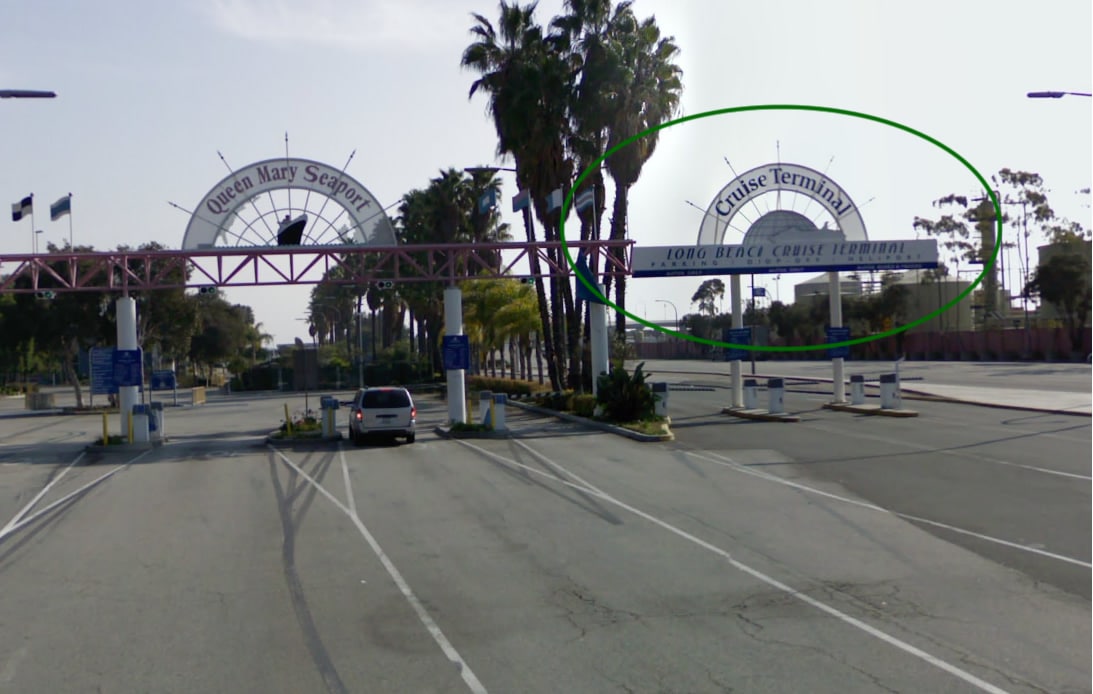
(214, 215)
(770, 178)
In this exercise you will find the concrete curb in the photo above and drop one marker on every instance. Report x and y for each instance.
(297, 440)
(23, 414)
(117, 447)
(602, 426)
(869, 410)
(447, 433)
(913, 394)
(759, 415)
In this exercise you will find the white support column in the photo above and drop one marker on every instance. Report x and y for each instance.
(737, 322)
(127, 339)
(601, 355)
(838, 383)
(453, 325)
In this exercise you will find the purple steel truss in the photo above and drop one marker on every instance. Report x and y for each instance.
(262, 266)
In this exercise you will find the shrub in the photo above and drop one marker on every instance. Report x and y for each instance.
(583, 405)
(626, 398)
(503, 385)
(552, 401)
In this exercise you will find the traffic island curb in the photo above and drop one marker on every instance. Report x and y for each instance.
(296, 441)
(869, 410)
(446, 432)
(602, 426)
(760, 415)
(126, 446)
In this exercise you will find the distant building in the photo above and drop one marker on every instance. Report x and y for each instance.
(849, 285)
(926, 295)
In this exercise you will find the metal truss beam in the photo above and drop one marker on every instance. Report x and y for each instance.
(125, 271)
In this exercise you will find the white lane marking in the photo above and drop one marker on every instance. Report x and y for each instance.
(23, 511)
(345, 474)
(446, 646)
(755, 573)
(1087, 478)
(733, 465)
(953, 454)
(30, 519)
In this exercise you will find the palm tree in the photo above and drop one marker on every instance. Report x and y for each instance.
(649, 96)
(526, 79)
(519, 320)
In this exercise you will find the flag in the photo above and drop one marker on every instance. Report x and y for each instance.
(586, 199)
(22, 208)
(60, 208)
(521, 200)
(487, 201)
(758, 291)
(554, 200)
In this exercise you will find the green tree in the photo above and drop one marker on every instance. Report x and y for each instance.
(707, 295)
(1063, 280)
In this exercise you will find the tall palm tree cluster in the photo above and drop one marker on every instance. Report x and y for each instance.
(445, 211)
(560, 97)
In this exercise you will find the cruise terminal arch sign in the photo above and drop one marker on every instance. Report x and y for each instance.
(783, 241)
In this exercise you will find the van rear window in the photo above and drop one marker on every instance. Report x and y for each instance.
(382, 399)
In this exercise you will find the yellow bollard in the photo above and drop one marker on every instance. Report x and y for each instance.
(288, 421)
(130, 427)
(105, 430)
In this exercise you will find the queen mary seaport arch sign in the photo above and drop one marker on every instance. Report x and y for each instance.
(784, 241)
(214, 216)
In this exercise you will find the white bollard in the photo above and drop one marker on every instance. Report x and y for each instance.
(889, 392)
(499, 401)
(776, 392)
(857, 389)
(751, 394)
(660, 393)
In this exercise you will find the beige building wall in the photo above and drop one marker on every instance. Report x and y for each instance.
(927, 297)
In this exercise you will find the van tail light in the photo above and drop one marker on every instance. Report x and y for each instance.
(413, 412)
(360, 415)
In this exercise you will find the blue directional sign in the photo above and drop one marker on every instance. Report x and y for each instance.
(128, 368)
(838, 335)
(102, 371)
(163, 380)
(737, 336)
(457, 352)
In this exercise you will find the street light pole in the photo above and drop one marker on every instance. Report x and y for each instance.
(1055, 95)
(674, 310)
(26, 94)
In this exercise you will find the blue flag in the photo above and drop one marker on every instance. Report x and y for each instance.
(60, 208)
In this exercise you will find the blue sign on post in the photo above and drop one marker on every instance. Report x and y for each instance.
(457, 352)
(128, 368)
(163, 380)
(102, 371)
(737, 336)
(838, 335)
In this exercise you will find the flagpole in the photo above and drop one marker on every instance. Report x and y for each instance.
(71, 244)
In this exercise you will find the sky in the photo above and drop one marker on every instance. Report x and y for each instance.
(150, 92)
